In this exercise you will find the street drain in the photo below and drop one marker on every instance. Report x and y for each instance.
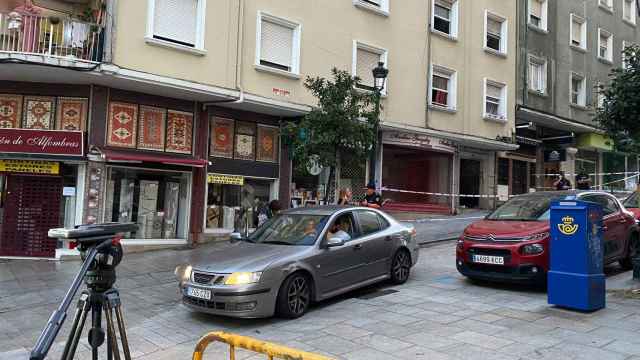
(376, 294)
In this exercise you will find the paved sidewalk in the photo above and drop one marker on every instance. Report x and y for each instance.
(436, 315)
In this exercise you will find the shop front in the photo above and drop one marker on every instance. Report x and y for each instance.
(244, 172)
(41, 187)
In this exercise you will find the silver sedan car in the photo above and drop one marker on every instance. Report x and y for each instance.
(298, 257)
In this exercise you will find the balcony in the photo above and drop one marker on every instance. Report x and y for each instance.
(33, 39)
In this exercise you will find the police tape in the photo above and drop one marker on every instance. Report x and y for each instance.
(589, 174)
(437, 194)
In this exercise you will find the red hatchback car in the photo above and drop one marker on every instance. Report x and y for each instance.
(512, 243)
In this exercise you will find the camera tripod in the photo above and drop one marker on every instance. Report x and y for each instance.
(101, 251)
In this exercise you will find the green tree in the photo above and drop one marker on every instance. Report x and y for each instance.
(619, 113)
(344, 121)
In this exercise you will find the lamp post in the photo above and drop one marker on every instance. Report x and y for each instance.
(380, 73)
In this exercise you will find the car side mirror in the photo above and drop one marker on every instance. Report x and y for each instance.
(335, 242)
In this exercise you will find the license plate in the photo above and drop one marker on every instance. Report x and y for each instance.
(486, 259)
(199, 293)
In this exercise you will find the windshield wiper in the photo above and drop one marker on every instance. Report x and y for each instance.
(276, 242)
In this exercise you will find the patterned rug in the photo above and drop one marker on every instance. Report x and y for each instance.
(179, 132)
(38, 112)
(71, 113)
(151, 132)
(10, 111)
(267, 143)
(123, 119)
(222, 135)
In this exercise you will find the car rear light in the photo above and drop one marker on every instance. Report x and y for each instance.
(532, 249)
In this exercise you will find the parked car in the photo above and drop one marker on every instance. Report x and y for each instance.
(632, 203)
(298, 257)
(512, 243)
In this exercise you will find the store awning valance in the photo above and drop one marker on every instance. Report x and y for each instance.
(134, 157)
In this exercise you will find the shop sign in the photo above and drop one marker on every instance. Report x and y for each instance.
(225, 179)
(49, 142)
(418, 140)
(30, 166)
(555, 155)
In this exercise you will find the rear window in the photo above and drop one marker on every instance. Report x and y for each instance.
(524, 208)
(369, 222)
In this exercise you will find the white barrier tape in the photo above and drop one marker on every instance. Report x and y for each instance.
(437, 194)
(590, 174)
(615, 181)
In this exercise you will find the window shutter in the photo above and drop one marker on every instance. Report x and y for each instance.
(442, 9)
(276, 43)
(536, 8)
(494, 91)
(365, 63)
(176, 20)
(576, 33)
(494, 27)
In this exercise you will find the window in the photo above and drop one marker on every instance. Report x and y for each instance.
(277, 44)
(365, 59)
(599, 95)
(578, 32)
(625, 45)
(578, 90)
(629, 11)
(176, 23)
(495, 104)
(443, 88)
(537, 75)
(380, 7)
(495, 33)
(538, 13)
(609, 206)
(606, 4)
(369, 222)
(445, 17)
(605, 45)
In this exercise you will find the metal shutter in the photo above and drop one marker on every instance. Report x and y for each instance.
(576, 33)
(176, 20)
(365, 63)
(276, 43)
(536, 8)
(494, 27)
(494, 91)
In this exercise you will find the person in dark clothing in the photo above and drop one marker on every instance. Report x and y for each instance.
(269, 211)
(583, 181)
(562, 183)
(372, 199)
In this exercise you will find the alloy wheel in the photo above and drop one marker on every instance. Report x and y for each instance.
(401, 266)
(298, 295)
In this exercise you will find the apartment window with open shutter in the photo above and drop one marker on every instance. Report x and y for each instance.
(578, 30)
(538, 13)
(605, 45)
(537, 75)
(578, 90)
(495, 100)
(277, 45)
(445, 17)
(629, 11)
(176, 21)
(495, 33)
(443, 88)
(366, 60)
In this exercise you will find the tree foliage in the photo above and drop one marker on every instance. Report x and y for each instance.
(344, 121)
(619, 113)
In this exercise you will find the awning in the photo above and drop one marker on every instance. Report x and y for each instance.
(554, 122)
(131, 157)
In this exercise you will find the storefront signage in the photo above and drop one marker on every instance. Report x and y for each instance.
(30, 166)
(49, 142)
(225, 179)
(555, 155)
(418, 140)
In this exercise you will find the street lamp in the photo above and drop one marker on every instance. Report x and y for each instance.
(380, 73)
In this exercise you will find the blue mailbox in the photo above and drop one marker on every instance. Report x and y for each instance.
(576, 279)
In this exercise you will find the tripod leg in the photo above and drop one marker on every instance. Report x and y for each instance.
(96, 334)
(123, 331)
(76, 328)
(111, 331)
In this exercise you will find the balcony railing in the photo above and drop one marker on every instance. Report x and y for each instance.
(52, 37)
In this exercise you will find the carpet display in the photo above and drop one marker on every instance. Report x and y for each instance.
(38, 112)
(179, 132)
(267, 144)
(122, 124)
(245, 141)
(152, 125)
(10, 111)
(222, 135)
(71, 113)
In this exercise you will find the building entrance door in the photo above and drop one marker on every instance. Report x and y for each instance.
(470, 182)
(30, 207)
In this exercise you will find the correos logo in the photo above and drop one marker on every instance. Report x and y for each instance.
(568, 227)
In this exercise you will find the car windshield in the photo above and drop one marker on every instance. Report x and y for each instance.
(290, 229)
(524, 208)
(632, 201)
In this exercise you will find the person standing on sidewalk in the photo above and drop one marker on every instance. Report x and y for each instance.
(345, 197)
(583, 182)
(372, 199)
(562, 183)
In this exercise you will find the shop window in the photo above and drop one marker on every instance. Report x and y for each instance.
(234, 207)
(156, 201)
(532, 176)
(503, 171)
(245, 141)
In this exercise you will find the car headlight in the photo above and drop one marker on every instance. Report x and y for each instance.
(183, 273)
(532, 249)
(243, 278)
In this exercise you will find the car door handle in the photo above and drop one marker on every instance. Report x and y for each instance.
(357, 247)
(388, 238)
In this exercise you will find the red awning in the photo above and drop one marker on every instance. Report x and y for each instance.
(129, 157)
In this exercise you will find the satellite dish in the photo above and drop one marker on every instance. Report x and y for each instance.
(313, 166)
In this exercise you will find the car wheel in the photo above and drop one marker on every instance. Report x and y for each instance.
(632, 251)
(400, 267)
(294, 296)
